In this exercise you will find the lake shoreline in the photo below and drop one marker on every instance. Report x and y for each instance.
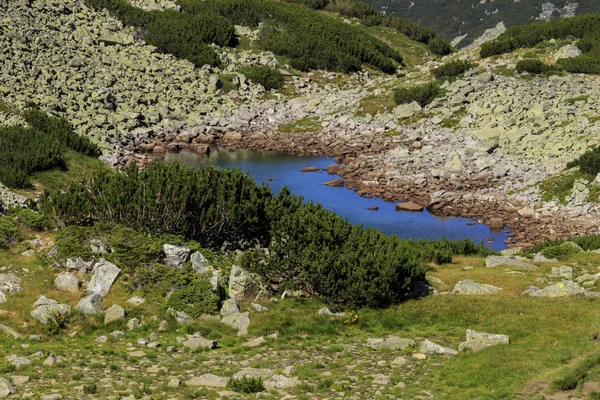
(362, 166)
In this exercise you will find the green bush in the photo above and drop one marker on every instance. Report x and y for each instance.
(422, 94)
(246, 385)
(310, 248)
(440, 46)
(588, 162)
(532, 67)
(452, 68)
(24, 151)
(9, 232)
(195, 298)
(561, 252)
(90, 388)
(61, 130)
(270, 78)
(29, 219)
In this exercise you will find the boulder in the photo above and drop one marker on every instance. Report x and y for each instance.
(255, 342)
(99, 246)
(390, 343)
(428, 347)
(6, 388)
(66, 282)
(477, 341)
(229, 307)
(494, 261)
(208, 380)
(568, 51)
(198, 342)
(239, 321)
(469, 286)
(175, 256)
(90, 305)
(280, 382)
(46, 309)
(255, 373)
(310, 169)
(495, 223)
(105, 274)
(17, 361)
(407, 110)
(562, 289)
(564, 272)
(10, 331)
(202, 266)
(244, 286)
(400, 362)
(409, 206)
(114, 313)
(10, 283)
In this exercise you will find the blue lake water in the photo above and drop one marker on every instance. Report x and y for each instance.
(285, 169)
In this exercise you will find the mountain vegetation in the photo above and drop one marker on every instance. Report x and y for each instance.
(293, 29)
(310, 248)
(586, 28)
(38, 146)
(453, 18)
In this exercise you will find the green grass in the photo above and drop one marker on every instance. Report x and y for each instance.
(305, 125)
(559, 187)
(393, 133)
(79, 168)
(373, 105)
(413, 53)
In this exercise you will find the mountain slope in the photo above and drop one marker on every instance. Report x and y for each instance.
(454, 18)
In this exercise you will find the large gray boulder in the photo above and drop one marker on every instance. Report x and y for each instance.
(428, 347)
(561, 289)
(208, 380)
(198, 342)
(114, 313)
(10, 283)
(568, 51)
(103, 277)
(495, 261)
(47, 309)
(469, 286)
(477, 341)
(175, 256)
(390, 343)
(66, 282)
(407, 110)
(281, 382)
(244, 286)
(239, 321)
(6, 388)
(202, 266)
(254, 373)
(90, 305)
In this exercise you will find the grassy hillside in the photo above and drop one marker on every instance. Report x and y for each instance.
(452, 18)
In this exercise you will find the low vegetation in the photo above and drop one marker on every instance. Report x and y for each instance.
(310, 248)
(452, 68)
(268, 77)
(584, 27)
(422, 94)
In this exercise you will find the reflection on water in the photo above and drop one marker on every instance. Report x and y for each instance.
(280, 169)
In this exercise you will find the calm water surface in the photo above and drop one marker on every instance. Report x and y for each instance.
(285, 168)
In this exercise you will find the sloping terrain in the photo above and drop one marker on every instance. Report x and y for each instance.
(455, 18)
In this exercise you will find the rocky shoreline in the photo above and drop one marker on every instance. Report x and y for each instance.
(361, 165)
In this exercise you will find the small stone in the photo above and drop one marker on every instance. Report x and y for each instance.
(137, 354)
(208, 380)
(173, 383)
(133, 323)
(255, 342)
(101, 339)
(381, 380)
(289, 370)
(399, 362)
(50, 361)
(428, 347)
(114, 313)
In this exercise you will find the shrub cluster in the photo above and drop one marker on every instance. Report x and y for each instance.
(39, 147)
(9, 232)
(24, 151)
(561, 252)
(588, 162)
(452, 68)
(422, 94)
(268, 77)
(586, 242)
(371, 17)
(532, 67)
(310, 248)
(181, 34)
(195, 298)
(585, 27)
(310, 40)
